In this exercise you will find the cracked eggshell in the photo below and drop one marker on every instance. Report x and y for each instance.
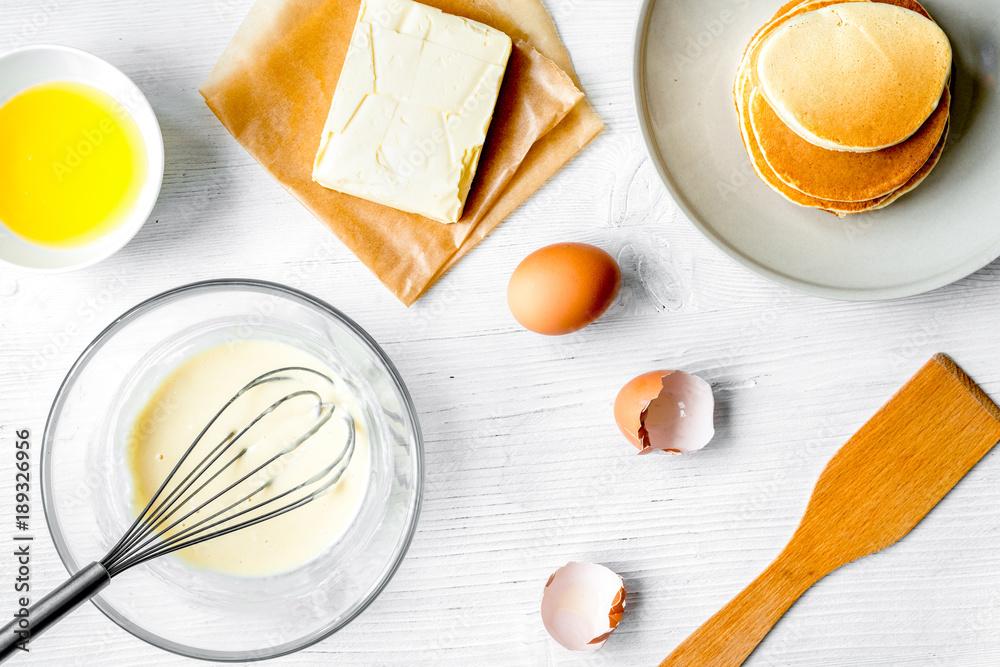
(582, 605)
(669, 411)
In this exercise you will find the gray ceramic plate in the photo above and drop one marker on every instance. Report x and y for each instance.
(685, 60)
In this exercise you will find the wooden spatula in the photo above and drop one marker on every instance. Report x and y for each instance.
(871, 494)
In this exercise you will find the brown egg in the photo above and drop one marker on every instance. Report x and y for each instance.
(668, 411)
(562, 288)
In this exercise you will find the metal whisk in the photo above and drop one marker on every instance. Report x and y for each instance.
(162, 527)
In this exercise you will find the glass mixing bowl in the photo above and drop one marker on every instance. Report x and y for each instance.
(87, 489)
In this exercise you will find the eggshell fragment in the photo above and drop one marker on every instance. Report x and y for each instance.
(582, 605)
(563, 288)
(669, 411)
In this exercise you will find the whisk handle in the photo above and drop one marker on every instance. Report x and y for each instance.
(76, 590)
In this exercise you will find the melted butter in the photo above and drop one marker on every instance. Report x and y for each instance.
(72, 164)
(188, 399)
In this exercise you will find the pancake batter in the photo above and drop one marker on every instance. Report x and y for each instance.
(188, 399)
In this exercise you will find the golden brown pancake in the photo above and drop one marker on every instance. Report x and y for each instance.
(745, 84)
(840, 175)
(840, 209)
(788, 11)
(767, 175)
(919, 177)
(854, 76)
(791, 9)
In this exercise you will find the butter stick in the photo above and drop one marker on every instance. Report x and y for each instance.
(412, 108)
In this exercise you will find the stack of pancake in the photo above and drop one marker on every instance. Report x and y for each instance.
(844, 106)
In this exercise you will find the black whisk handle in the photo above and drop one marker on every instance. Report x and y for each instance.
(79, 588)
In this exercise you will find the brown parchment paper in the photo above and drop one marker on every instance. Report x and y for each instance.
(272, 89)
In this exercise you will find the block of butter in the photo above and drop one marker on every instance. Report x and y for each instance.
(412, 108)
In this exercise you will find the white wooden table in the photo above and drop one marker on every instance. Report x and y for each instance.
(526, 469)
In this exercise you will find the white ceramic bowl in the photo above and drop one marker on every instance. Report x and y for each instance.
(686, 56)
(32, 65)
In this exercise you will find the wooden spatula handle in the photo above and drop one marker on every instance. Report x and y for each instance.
(873, 492)
(729, 637)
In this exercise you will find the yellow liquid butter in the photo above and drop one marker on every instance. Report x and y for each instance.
(72, 164)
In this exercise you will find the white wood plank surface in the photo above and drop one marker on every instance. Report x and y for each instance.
(526, 469)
